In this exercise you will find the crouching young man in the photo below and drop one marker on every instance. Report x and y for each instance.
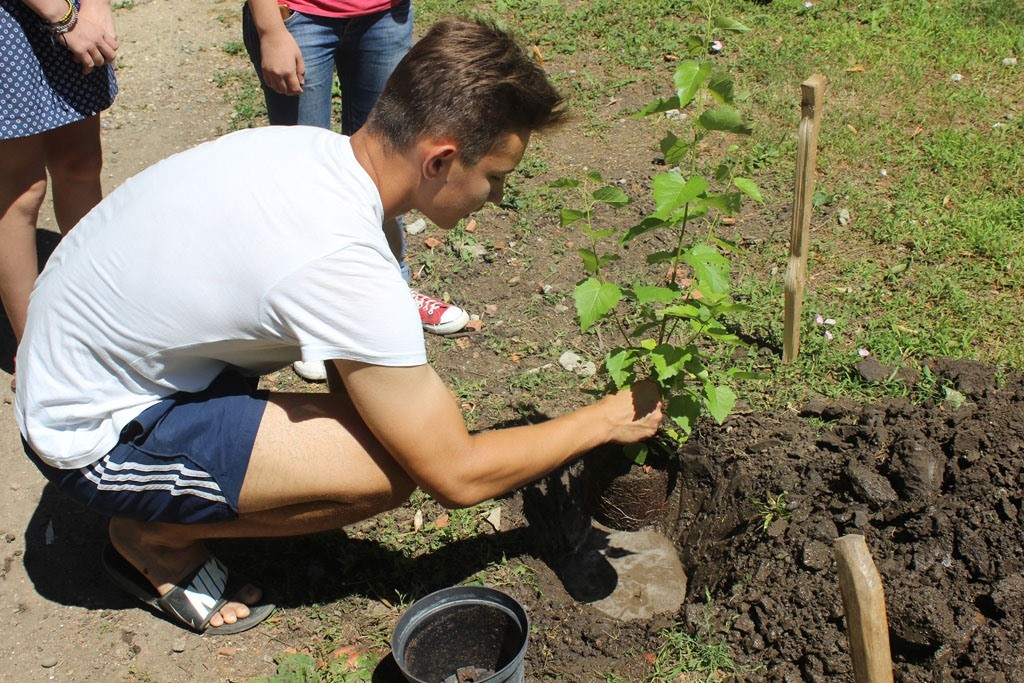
(153, 318)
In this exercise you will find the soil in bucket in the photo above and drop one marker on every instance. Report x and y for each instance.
(466, 634)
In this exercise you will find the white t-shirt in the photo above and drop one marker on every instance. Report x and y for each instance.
(249, 251)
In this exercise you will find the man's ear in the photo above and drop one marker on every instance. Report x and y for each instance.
(438, 158)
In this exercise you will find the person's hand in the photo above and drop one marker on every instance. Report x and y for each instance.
(93, 40)
(284, 70)
(635, 413)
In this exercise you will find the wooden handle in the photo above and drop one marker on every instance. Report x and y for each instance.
(864, 600)
(812, 98)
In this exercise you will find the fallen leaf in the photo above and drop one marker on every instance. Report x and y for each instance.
(471, 225)
(850, 126)
(474, 325)
(351, 655)
(462, 343)
(650, 657)
(227, 651)
(443, 521)
(432, 243)
(540, 57)
(947, 201)
(856, 68)
(727, 220)
(917, 131)
(515, 358)
(570, 245)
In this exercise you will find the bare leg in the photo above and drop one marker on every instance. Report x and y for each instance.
(74, 157)
(314, 467)
(22, 190)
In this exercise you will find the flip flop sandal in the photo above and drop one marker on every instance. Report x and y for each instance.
(194, 600)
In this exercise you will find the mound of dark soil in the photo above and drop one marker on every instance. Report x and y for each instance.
(935, 489)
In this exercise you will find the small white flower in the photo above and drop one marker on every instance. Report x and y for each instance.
(863, 353)
(884, 172)
(828, 335)
(956, 78)
(715, 47)
(819, 319)
(830, 321)
(808, 5)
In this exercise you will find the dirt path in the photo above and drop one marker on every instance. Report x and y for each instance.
(60, 620)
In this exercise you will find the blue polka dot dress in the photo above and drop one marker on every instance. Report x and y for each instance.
(41, 87)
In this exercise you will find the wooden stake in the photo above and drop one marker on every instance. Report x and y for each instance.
(812, 99)
(864, 601)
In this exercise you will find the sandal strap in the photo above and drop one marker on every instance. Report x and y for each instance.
(201, 596)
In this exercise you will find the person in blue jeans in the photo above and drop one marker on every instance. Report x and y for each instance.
(295, 46)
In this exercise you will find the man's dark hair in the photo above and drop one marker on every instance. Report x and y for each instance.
(467, 80)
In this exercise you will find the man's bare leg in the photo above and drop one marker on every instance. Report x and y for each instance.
(315, 466)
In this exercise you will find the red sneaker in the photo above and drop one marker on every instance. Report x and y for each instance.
(439, 317)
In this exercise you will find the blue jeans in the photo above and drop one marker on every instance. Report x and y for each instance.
(364, 50)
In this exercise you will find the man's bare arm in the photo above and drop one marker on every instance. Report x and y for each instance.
(415, 417)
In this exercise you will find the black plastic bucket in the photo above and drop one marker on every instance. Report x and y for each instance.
(465, 633)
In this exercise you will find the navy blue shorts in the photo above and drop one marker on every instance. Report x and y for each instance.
(181, 461)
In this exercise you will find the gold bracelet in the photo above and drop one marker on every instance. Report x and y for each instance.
(67, 15)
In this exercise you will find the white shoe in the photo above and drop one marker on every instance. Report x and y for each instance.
(439, 317)
(312, 371)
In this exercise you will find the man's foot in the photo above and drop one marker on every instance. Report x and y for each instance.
(187, 585)
(311, 371)
(439, 317)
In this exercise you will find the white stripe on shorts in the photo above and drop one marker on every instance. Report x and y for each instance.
(172, 478)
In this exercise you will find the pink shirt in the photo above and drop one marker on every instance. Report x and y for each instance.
(338, 8)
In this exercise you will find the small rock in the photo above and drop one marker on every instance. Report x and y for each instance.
(569, 361)
(1009, 61)
(561, 308)
(416, 227)
(490, 309)
(956, 78)
(816, 555)
(178, 646)
(494, 518)
(844, 217)
(48, 662)
(15, 487)
(870, 486)
(587, 369)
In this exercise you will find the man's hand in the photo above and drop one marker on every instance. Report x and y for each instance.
(634, 413)
(93, 40)
(284, 70)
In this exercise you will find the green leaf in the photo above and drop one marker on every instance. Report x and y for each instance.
(612, 196)
(590, 263)
(646, 225)
(721, 88)
(594, 299)
(695, 45)
(598, 234)
(722, 172)
(721, 335)
(637, 452)
(683, 410)
(570, 216)
(619, 364)
(668, 361)
(749, 188)
(730, 202)
(563, 182)
(657, 106)
(682, 311)
(594, 176)
(671, 192)
(661, 257)
(645, 294)
(733, 307)
(730, 24)
(710, 268)
(688, 78)
(719, 400)
(673, 149)
(727, 245)
(724, 118)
